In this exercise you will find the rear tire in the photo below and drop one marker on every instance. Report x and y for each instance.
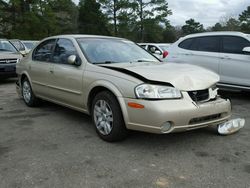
(28, 96)
(107, 117)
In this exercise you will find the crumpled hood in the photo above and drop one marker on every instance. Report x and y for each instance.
(182, 76)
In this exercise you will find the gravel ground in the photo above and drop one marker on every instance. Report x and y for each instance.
(53, 146)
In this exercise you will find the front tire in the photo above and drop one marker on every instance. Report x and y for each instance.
(107, 117)
(28, 96)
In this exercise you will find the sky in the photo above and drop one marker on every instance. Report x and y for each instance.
(207, 12)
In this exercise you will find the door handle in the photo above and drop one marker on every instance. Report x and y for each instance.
(188, 54)
(226, 57)
(51, 71)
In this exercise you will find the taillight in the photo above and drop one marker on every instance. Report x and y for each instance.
(165, 54)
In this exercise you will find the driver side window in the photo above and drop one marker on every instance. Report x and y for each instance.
(44, 51)
(63, 49)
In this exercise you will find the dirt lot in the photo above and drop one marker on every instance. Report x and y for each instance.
(52, 146)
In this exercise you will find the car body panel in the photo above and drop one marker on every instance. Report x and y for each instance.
(235, 69)
(184, 77)
(178, 112)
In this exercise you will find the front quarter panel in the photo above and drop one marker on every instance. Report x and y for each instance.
(121, 85)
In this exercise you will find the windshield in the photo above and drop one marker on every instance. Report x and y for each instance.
(98, 50)
(6, 46)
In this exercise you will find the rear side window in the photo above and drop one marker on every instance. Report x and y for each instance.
(233, 44)
(205, 44)
(44, 51)
(186, 44)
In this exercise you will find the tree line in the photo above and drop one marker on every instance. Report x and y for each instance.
(138, 20)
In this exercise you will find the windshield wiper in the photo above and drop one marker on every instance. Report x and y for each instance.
(105, 62)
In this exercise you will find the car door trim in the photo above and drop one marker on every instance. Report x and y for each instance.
(58, 88)
(65, 90)
(38, 83)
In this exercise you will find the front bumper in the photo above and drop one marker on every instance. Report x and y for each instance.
(182, 114)
(7, 70)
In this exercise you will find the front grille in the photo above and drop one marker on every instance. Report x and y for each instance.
(8, 61)
(199, 95)
(204, 119)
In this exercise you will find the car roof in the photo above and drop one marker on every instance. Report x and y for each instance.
(216, 33)
(154, 43)
(84, 36)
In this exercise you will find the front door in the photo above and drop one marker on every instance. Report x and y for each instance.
(234, 65)
(66, 80)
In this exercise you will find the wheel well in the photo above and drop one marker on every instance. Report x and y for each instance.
(94, 92)
(23, 77)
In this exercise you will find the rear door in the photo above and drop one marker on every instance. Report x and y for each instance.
(204, 52)
(201, 51)
(234, 65)
(39, 67)
(65, 80)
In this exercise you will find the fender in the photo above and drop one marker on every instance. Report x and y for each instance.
(110, 86)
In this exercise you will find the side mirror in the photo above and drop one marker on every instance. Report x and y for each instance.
(72, 60)
(246, 50)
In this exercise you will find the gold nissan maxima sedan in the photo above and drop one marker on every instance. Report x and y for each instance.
(121, 86)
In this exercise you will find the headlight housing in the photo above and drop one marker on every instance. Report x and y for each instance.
(149, 91)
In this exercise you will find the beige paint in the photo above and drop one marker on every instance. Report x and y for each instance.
(69, 85)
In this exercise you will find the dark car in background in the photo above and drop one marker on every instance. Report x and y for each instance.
(9, 56)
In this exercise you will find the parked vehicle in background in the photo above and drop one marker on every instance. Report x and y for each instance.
(226, 53)
(157, 49)
(30, 44)
(19, 46)
(9, 56)
(120, 85)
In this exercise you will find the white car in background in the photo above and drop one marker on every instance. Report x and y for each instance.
(226, 53)
(157, 49)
